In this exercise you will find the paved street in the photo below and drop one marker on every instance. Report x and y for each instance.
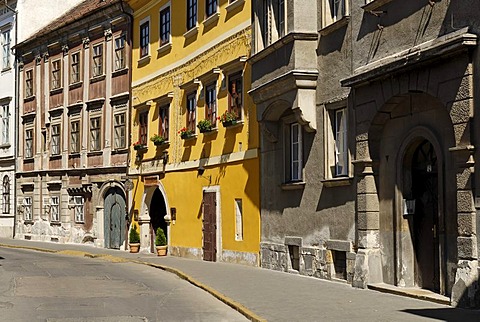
(38, 286)
(269, 295)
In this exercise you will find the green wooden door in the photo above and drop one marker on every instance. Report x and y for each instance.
(114, 213)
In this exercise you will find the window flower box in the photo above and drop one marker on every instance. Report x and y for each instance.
(137, 146)
(186, 133)
(158, 140)
(228, 118)
(205, 126)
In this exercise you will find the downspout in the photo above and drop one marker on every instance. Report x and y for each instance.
(127, 193)
(15, 137)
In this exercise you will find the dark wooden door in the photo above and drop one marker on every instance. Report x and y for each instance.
(114, 218)
(209, 226)
(426, 242)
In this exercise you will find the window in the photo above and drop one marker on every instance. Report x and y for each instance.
(211, 7)
(5, 124)
(191, 111)
(143, 122)
(75, 137)
(120, 52)
(238, 220)
(56, 74)
(78, 202)
(75, 68)
(144, 38)
(191, 14)
(235, 94)
(211, 103)
(164, 121)
(27, 208)
(165, 26)
(6, 49)
(341, 148)
(97, 60)
(120, 131)
(29, 83)
(95, 134)
(56, 139)
(296, 162)
(272, 21)
(55, 208)
(334, 10)
(29, 143)
(6, 195)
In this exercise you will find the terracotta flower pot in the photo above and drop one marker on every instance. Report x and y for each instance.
(134, 248)
(161, 250)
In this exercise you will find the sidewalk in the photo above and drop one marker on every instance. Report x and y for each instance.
(262, 294)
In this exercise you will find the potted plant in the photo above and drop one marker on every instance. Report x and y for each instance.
(139, 146)
(161, 242)
(228, 118)
(205, 126)
(158, 139)
(185, 133)
(134, 239)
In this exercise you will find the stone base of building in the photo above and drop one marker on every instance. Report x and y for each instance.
(227, 256)
(6, 227)
(43, 230)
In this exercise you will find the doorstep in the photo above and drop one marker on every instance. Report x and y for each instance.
(417, 293)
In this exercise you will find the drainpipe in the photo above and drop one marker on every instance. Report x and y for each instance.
(15, 137)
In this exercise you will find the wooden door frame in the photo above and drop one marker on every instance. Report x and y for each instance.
(218, 239)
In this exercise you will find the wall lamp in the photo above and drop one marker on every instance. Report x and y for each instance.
(201, 171)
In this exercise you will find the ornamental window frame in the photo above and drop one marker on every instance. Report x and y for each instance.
(97, 60)
(144, 38)
(95, 132)
(192, 14)
(75, 67)
(6, 39)
(29, 144)
(79, 208)
(334, 11)
(29, 78)
(120, 130)
(55, 147)
(165, 25)
(5, 124)
(55, 208)
(271, 22)
(56, 74)
(6, 195)
(211, 103)
(191, 111)
(120, 53)
(143, 127)
(27, 208)
(75, 136)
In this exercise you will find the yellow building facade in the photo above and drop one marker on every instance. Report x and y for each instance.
(194, 158)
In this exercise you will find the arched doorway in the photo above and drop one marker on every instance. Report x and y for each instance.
(157, 212)
(114, 214)
(422, 181)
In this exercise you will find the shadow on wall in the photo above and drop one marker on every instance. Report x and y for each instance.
(460, 15)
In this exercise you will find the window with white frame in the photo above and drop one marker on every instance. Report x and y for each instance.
(191, 111)
(341, 147)
(78, 206)
(75, 68)
(29, 83)
(144, 38)
(6, 195)
(120, 53)
(271, 18)
(295, 159)
(334, 10)
(27, 208)
(46, 207)
(120, 130)
(95, 135)
(165, 26)
(6, 49)
(56, 74)
(75, 136)
(55, 208)
(191, 14)
(55, 133)
(238, 220)
(211, 7)
(97, 60)
(29, 143)
(164, 115)
(5, 124)
(211, 103)
(235, 94)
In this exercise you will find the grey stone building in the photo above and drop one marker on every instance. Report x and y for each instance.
(73, 125)
(368, 141)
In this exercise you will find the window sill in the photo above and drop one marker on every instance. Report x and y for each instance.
(190, 138)
(55, 223)
(144, 60)
(29, 98)
(94, 153)
(298, 185)
(56, 91)
(234, 5)
(213, 19)
(74, 155)
(97, 79)
(375, 4)
(338, 182)
(6, 69)
(192, 32)
(80, 222)
(209, 132)
(75, 85)
(28, 222)
(28, 160)
(119, 151)
(334, 26)
(5, 146)
(164, 48)
(119, 72)
(55, 157)
(238, 123)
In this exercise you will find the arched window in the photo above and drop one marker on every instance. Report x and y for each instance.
(6, 195)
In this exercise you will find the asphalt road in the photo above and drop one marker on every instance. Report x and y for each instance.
(46, 287)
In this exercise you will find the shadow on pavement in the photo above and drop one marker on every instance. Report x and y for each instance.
(447, 314)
